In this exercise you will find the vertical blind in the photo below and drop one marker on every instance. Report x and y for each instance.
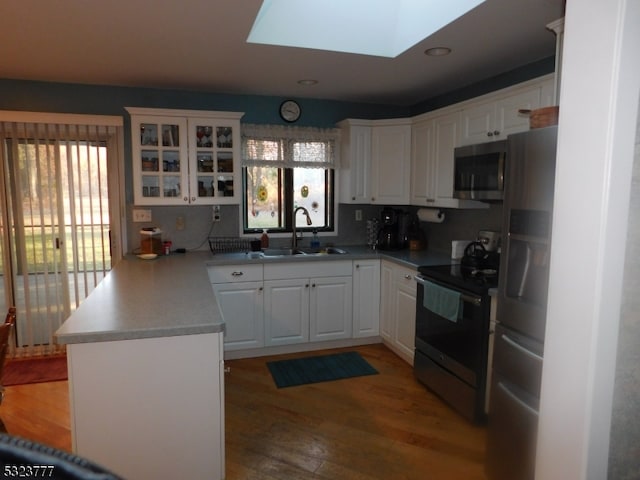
(55, 222)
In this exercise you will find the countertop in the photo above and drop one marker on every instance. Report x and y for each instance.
(408, 258)
(171, 295)
(165, 297)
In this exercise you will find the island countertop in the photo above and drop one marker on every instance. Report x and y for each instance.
(165, 297)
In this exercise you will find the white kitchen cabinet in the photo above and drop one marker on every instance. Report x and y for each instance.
(286, 305)
(398, 309)
(375, 161)
(495, 119)
(391, 162)
(366, 298)
(239, 293)
(355, 162)
(185, 157)
(433, 140)
(301, 306)
(330, 308)
(405, 312)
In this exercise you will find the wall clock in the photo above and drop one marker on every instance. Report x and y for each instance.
(290, 111)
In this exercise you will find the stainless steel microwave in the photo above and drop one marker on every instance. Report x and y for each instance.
(479, 171)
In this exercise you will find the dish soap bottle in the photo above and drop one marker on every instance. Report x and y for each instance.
(264, 239)
(315, 241)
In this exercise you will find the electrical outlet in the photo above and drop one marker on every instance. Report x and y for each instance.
(180, 223)
(140, 215)
(358, 215)
(216, 213)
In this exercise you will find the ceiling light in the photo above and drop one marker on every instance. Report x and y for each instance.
(437, 51)
(368, 27)
(308, 81)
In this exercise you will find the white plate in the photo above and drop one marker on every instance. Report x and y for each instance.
(148, 256)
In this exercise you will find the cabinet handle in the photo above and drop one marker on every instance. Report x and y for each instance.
(496, 132)
(489, 134)
(357, 266)
(186, 199)
(408, 277)
(306, 286)
(353, 198)
(373, 199)
(193, 199)
(430, 200)
(237, 274)
(260, 289)
(313, 285)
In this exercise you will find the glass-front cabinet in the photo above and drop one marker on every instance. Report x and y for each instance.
(185, 157)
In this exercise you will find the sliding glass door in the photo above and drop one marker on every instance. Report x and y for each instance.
(56, 223)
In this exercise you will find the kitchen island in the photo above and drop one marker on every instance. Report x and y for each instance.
(145, 362)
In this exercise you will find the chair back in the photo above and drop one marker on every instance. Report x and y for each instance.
(5, 333)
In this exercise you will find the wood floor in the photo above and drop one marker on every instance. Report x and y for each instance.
(384, 426)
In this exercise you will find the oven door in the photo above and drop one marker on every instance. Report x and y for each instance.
(459, 345)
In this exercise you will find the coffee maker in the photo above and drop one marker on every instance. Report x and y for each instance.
(388, 238)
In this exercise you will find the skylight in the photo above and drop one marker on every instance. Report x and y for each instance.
(384, 28)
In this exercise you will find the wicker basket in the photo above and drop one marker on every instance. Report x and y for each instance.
(543, 117)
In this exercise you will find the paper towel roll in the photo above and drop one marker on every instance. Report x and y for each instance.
(432, 215)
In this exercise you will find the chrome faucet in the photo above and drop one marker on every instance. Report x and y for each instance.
(294, 239)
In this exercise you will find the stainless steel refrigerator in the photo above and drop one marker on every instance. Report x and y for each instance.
(521, 306)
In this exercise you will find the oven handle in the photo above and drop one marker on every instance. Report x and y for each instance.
(465, 298)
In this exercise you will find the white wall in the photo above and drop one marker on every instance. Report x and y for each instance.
(598, 113)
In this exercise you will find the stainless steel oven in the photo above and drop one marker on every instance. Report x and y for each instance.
(452, 336)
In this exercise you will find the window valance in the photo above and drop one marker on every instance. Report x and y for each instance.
(290, 146)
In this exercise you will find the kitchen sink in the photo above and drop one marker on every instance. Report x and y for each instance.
(282, 252)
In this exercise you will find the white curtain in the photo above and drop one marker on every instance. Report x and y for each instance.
(290, 146)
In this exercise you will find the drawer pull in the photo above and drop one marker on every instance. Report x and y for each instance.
(237, 274)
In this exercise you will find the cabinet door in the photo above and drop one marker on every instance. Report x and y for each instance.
(508, 117)
(390, 164)
(160, 160)
(330, 307)
(286, 311)
(355, 168)
(366, 298)
(405, 313)
(241, 307)
(446, 138)
(478, 123)
(387, 299)
(422, 176)
(214, 161)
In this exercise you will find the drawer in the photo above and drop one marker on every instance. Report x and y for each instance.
(405, 276)
(235, 273)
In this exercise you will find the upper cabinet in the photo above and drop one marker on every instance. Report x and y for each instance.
(411, 161)
(355, 161)
(433, 141)
(391, 162)
(375, 161)
(502, 115)
(185, 157)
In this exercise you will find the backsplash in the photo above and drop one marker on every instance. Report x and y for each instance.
(458, 225)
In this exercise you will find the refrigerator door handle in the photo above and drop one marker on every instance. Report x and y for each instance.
(517, 399)
(525, 272)
(520, 348)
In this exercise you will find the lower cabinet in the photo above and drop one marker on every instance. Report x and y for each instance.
(241, 306)
(366, 298)
(290, 303)
(310, 308)
(398, 309)
(239, 292)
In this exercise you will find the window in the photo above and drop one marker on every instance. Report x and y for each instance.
(285, 168)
